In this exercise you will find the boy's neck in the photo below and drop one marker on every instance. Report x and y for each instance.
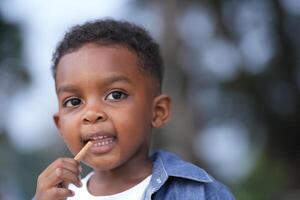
(120, 179)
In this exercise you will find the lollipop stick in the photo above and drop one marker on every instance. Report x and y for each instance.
(83, 151)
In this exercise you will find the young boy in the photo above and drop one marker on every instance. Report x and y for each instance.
(108, 77)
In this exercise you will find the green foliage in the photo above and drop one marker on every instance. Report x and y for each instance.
(13, 75)
(268, 181)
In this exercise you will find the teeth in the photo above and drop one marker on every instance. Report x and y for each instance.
(99, 137)
(102, 143)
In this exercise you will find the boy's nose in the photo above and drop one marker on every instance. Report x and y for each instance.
(91, 117)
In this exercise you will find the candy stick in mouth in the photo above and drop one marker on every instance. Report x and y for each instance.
(83, 151)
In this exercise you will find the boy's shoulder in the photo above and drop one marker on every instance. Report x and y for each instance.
(173, 176)
(174, 166)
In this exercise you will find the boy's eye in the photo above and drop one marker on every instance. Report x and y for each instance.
(72, 102)
(116, 95)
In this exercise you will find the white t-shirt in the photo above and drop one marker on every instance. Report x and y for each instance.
(134, 193)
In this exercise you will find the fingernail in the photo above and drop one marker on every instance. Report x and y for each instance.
(58, 172)
(72, 193)
(80, 169)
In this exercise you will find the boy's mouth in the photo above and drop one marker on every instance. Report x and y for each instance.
(102, 142)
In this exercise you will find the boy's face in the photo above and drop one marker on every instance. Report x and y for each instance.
(104, 97)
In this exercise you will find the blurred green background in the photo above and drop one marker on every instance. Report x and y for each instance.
(232, 69)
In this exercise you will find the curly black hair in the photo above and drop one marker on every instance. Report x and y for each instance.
(112, 32)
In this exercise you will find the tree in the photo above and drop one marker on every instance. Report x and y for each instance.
(13, 76)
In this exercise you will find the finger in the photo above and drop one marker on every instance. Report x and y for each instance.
(63, 175)
(59, 193)
(67, 163)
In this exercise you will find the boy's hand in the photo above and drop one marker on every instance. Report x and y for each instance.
(53, 182)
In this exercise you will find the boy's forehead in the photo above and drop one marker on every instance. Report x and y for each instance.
(111, 62)
(116, 57)
(106, 81)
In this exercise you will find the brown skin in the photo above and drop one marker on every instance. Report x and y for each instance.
(103, 89)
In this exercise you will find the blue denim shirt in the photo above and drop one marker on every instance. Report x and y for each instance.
(175, 179)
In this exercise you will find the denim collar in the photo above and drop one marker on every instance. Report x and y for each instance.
(167, 165)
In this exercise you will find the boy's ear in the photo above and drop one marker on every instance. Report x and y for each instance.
(161, 110)
(56, 120)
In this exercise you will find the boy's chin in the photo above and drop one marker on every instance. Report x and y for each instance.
(101, 164)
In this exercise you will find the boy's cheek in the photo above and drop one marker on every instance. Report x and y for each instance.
(72, 141)
(64, 127)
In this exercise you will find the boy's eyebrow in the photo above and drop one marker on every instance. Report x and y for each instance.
(66, 88)
(116, 78)
(107, 81)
